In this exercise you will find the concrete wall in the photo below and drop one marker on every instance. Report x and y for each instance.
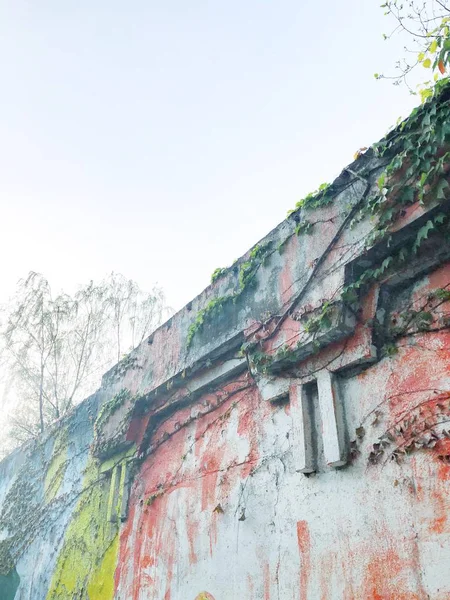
(292, 445)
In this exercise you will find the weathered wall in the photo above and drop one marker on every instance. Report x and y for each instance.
(282, 437)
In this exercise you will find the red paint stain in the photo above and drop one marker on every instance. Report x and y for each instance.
(192, 531)
(251, 415)
(381, 581)
(210, 467)
(431, 478)
(327, 566)
(369, 305)
(198, 456)
(439, 525)
(304, 547)
(250, 587)
(409, 214)
(436, 493)
(137, 429)
(442, 449)
(286, 275)
(439, 278)
(170, 548)
(147, 561)
(266, 582)
(147, 541)
(345, 555)
(287, 335)
(421, 367)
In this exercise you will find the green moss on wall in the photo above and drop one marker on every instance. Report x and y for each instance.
(110, 440)
(57, 466)
(101, 584)
(86, 564)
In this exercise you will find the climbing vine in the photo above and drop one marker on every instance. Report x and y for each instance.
(103, 444)
(246, 279)
(417, 165)
(218, 273)
(320, 197)
(109, 408)
(416, 169)
(419, 162)
(421, 427)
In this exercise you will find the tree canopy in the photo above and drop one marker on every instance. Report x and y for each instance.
(54, 348)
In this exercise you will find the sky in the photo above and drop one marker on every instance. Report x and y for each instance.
(163, 139)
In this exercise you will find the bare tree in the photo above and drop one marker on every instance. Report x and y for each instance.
(146, 311)
(55, 349)
(31, 339)
(121, 295)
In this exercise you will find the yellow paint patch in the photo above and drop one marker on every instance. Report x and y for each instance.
(90, 546)
(101, 584)
(56, 468)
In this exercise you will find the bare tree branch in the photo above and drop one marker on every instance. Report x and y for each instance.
(55, 349)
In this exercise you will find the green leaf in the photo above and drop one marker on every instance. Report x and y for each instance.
(403, 254)
(422, 234)
(385, 264)
(440, 218)
(426, 93)
(423, 179)
(427, 63)
(441, 186)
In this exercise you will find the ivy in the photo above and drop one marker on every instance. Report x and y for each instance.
(320, 197)
(247, 270)
(262, 361)
(441, 294)
(109, 408)
(438, 223)
(421, 429)
(419, 160)
(422, 235)
(213, 307)
(218, 273)
(418, 318)
(320, 321)
(246, 279)
(304, 227)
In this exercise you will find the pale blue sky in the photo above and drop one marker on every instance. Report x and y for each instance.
(163, 139)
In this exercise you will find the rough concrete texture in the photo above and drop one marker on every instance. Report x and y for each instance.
(259, 458)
